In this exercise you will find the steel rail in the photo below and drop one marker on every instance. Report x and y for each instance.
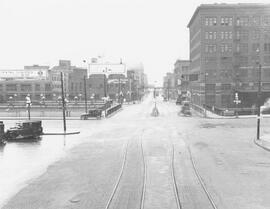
(175, 188)
(144, 174)
(119, 178)
(210, 198)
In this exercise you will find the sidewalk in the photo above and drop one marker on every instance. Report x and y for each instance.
(212, 115)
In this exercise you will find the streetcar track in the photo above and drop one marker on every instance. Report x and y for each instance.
(119, 178)
(116, 186)
(210, 198)
(145, 176)
(175, 187)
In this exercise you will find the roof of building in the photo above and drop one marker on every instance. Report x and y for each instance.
(224, 5)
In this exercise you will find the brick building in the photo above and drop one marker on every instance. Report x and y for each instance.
(181, 72)
(17, 84)
(227, 44)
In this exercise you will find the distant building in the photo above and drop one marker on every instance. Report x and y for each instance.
(32, 80)
(227, 43)
(181, 72)
(169, 86)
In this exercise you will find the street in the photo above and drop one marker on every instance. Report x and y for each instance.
(134, 160)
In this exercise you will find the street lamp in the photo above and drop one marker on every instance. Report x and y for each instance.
(205, 83)
(28, 105)
(76, 100)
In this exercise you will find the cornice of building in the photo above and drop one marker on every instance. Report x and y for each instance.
(227, 6)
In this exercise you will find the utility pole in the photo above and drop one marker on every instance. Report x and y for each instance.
(259, 102)
(63, 102)
(105, 86)
(119, 88)
(85, 94)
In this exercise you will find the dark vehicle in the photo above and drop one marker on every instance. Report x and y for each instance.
(25, 130)
(94, 113)
(178, 101)
(185, 110)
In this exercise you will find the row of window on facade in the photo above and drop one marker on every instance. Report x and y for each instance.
(239, 21)
(239, 60)
(213, 88)
(239, 35)
(24, 87)
(239, 47)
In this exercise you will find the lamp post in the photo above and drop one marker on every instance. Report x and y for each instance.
(85, 94)
(205, 83)
(28, 105)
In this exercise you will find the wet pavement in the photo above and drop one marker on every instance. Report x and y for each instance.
(80, 171)
(22, 161)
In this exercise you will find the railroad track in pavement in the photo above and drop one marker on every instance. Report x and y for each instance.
(176, 189)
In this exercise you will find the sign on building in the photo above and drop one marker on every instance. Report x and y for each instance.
(97, 68)
(40, 74)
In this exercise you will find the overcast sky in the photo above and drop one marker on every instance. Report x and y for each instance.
(152, 32)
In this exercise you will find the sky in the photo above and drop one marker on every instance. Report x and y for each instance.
(152, 32)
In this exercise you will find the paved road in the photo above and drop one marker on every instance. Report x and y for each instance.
(234, 171)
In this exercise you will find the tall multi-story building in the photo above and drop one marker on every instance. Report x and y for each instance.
(228, 42)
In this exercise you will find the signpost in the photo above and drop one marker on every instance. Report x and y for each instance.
(237, 102)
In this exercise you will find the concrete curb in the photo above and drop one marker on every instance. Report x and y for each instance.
(230, 117)
(260, 143)
(40, 118)
(114, 113)
(67, 133)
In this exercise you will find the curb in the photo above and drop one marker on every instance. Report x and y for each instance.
(114, 113)
(67, 133)
(261, 144)
(40, 118)
(230, 117)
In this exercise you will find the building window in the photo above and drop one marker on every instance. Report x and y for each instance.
(242, 47)
(47, 87)
(242, 21)
(267, 47)
(256, 34)
(226, 48)
(226, 21)
(266, 59)
(255, 47)
(266, 20)
(226, 35)
(256, 20)
(26, 87)
(211, 35)
(37, 87)
(210, 60)
(210, 21)
(242, 35)
(11, 87)
(210, 48)
(225, 87)
(243, 61)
